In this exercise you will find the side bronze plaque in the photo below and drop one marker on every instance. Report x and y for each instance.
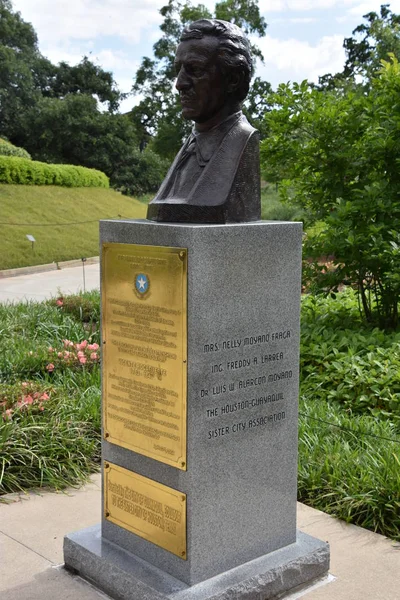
(144, 325)
(145, 507)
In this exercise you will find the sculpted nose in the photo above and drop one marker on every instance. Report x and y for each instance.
(182, 81)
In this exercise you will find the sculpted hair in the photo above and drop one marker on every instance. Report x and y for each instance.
(233, 49)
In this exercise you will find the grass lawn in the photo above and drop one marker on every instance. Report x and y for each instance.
(63, 221)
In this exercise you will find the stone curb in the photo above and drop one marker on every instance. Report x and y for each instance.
(55, 266)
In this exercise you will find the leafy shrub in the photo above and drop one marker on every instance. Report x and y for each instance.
(349, 466)
(347, 362)
(142, 173)
(49, 417)
(28, 330)
(335, 153)
(8, 149)
(54, 442)
(274, 210)
(22, 171)
(85, 307)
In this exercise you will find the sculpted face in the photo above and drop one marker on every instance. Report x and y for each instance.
(199, 80)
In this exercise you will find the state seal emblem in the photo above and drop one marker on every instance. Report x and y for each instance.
(142, 285)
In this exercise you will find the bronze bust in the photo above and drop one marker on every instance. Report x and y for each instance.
(215, 177)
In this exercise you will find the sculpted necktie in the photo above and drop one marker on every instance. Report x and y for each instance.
(187, 170)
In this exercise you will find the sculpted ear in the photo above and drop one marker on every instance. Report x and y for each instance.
(235, 80)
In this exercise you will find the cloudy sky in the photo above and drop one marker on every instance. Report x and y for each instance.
(304, 37)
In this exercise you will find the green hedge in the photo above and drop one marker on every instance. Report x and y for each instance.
(8, 149)
(31, 172)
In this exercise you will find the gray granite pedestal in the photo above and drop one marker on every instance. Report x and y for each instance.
(125, 576)
(243, 328)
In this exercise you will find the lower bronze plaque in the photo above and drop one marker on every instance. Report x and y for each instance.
(144, 324)
(149, 509)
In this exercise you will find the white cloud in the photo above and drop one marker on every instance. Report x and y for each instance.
(295, 60)
(293, 20)
(269, 6)
(90, 19)
(373, 6)
(69, 55)
(70, 29)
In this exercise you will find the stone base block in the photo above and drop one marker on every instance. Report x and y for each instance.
(125, 576)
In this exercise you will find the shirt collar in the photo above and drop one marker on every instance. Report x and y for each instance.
(208, 142)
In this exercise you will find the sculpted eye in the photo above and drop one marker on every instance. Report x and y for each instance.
(194, 70)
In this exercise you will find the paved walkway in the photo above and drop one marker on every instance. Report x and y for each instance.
(366, 566)
(40, 286)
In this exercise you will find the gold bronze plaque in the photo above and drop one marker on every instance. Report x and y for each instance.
(153, 511)
(144, 324)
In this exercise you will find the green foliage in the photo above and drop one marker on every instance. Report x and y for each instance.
(51, 435)
(349, 467)
(345, 362)
(144, 173)
(349, 413)
(272, 208)
(336, 153)
(83, 307)
(52, 111)
(85, 78)
(26, 76)
(373, 42)
(23, 171)
(8, 149)
(74, 131)
(159, 112)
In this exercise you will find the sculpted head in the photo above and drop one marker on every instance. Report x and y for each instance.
(214, 67)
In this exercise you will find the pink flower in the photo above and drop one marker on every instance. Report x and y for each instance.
(41, 407)
(59, 302)
(28, 400)
(93, 347)
(82, 345)
(59, 354)
(8, 414)
(45, 396)
(93, 356)
(50, 367)
(81, 354)
(82, 360)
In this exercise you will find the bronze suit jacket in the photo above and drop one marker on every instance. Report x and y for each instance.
(228, 189)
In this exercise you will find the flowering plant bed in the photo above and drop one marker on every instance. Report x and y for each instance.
(49, 394)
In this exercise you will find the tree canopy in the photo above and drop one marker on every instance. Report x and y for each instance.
(337, 154)
(371, 42)
(52, 111)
